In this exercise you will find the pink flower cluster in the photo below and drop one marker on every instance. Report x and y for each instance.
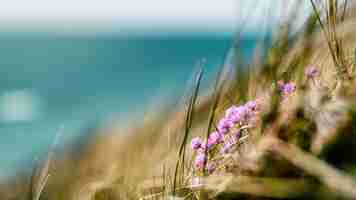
(235, 123)
(227, 134)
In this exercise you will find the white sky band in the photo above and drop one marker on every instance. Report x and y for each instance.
(222, 15)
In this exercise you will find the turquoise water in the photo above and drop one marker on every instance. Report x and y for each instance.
(48, 81)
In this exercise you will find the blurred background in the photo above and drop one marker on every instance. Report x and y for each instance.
(80, 64)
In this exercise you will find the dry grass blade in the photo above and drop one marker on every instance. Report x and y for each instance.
(218, 88)
(344, 10)
(325, 173)
(188, 125)
(334, 42)
(40, 172)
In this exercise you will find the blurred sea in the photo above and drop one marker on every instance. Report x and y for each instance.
(48, 81)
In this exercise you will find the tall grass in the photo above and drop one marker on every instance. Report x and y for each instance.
(301, 144)
(180, 166)
(334, 42)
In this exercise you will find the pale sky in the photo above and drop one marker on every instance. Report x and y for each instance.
(217, 14)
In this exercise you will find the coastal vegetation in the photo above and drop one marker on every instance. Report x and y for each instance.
(281, 126)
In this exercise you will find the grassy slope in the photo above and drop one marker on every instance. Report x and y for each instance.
(302, 149)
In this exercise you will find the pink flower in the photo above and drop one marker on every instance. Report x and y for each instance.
(230, 111)
(196, 143)
(236, 114)
(224, 125)
(214, 138)
(199, 160)
(243, 112)
(252, 105)
(202, 148)
(287, 88)
(311, 72)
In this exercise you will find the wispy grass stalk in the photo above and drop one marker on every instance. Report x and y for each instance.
(180, 165)
(40, 174)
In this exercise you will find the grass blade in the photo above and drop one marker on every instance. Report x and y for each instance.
(188, 125)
